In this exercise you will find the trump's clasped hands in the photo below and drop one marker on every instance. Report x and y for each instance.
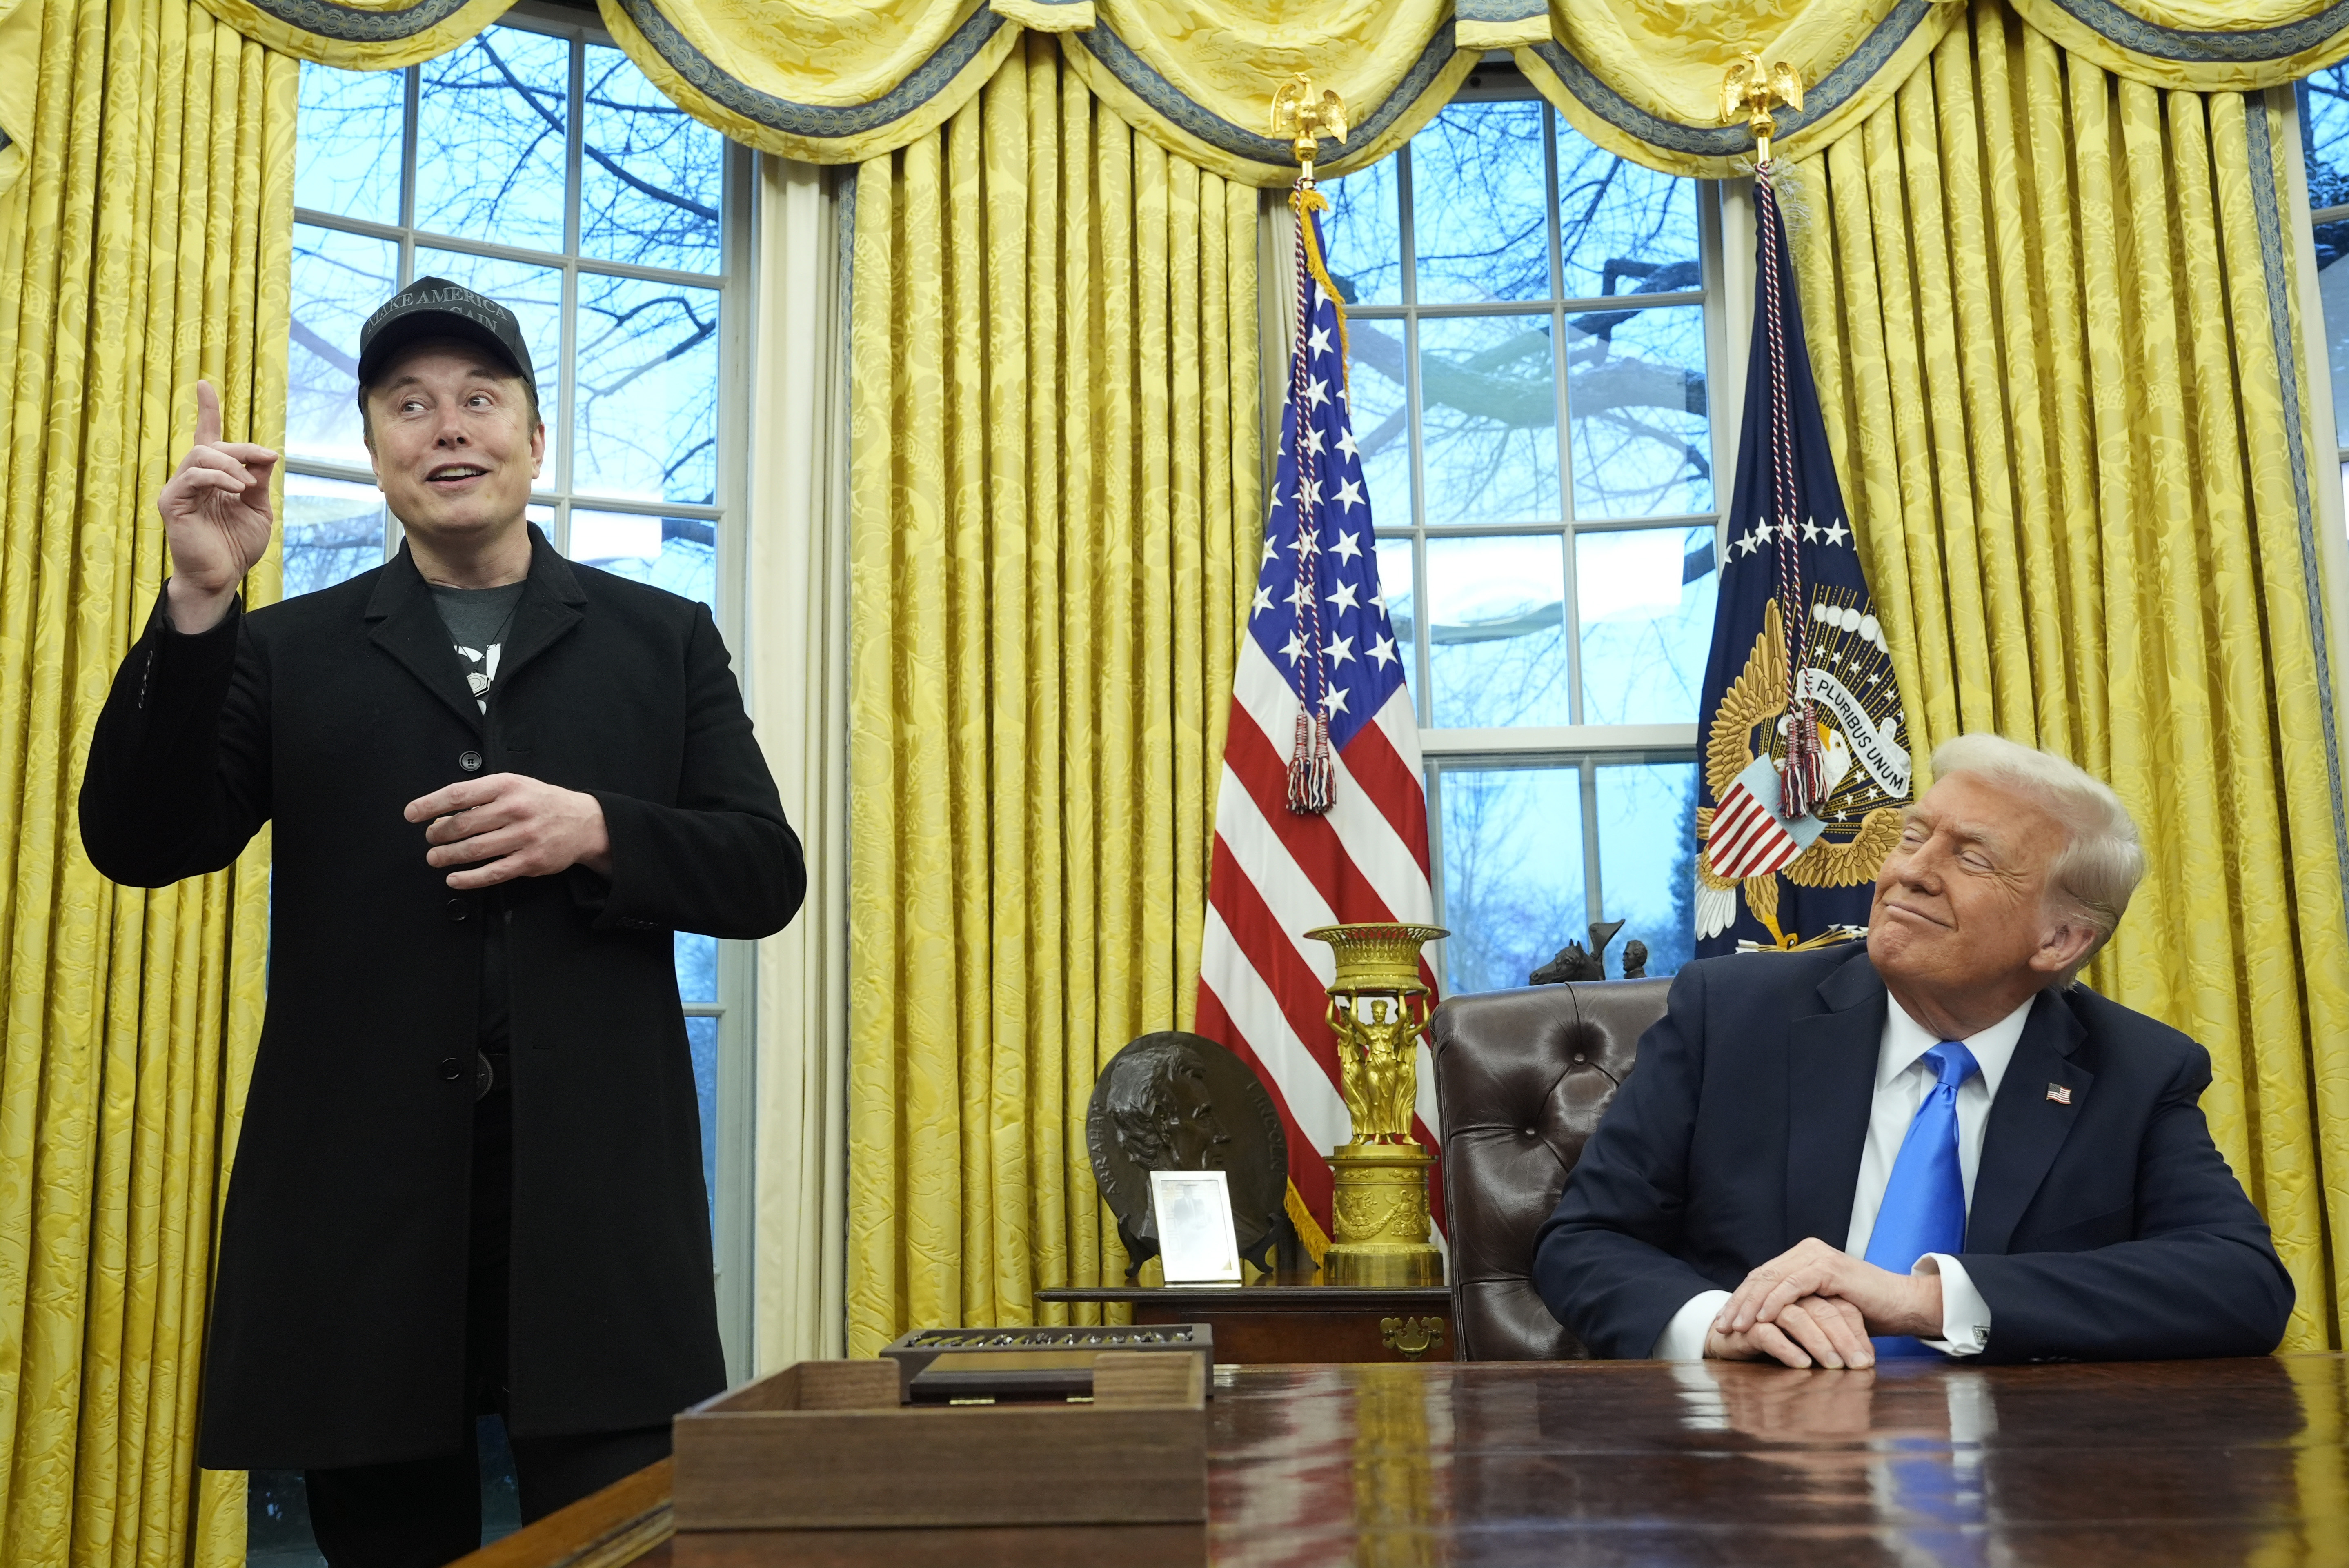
(1816, 1304)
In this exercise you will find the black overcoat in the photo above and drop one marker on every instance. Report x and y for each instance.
(338, 1314)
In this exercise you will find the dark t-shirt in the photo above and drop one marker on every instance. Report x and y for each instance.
(479, 620)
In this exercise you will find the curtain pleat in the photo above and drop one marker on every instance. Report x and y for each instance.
(152, 247)
(1053, 512)
(2051, 312)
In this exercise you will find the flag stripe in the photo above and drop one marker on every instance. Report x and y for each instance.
(1311, 841)
(1744, 825)
(1289, 974)
(1311, 1176)
(1294, 987)
(1247, 866)
(1370, 779)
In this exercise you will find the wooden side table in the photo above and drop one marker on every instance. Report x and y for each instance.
(1290, 1319)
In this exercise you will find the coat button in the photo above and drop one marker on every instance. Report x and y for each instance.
(469, 761)
(451, 1069)
(457, 909)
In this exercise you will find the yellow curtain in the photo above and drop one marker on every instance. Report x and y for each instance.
(841, 81)
(2205, 46)
(1054, 518)
(2053, 316)
(143, 245)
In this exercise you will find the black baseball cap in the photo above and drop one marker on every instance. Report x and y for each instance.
(435, 307)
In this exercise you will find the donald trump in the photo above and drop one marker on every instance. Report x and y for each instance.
(1937, 1143)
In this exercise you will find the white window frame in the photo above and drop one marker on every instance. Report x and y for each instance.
(731, 1238)
(1722, 209)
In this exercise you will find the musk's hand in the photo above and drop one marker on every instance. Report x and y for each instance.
(1890, 1303)
(1814, 1331)
(217, 516)
(507, 826)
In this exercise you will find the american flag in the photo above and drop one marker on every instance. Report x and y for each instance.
(1320, 643)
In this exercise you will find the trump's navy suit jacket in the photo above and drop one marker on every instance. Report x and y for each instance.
(2105, 1226)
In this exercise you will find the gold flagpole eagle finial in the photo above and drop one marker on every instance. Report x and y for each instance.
(1752, 89)
(1305, 120)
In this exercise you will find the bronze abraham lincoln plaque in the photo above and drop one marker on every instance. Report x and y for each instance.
(1172, 1101)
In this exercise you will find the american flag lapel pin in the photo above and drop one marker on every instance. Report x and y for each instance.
(2060, 1093)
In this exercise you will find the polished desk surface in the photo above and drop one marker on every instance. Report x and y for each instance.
(2209, 1462)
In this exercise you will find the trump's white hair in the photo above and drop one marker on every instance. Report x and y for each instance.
(2092, 877)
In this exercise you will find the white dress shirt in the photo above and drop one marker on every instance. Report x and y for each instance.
(1903, 1078)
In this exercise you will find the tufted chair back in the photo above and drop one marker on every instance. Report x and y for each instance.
(1522, 1079)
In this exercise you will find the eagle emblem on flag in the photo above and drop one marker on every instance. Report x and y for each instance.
(1806, 767)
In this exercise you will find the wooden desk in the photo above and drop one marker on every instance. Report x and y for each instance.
(2205, 1463)
(1289, 1320)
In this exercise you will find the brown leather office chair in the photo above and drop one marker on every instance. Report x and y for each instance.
(1521, 1081)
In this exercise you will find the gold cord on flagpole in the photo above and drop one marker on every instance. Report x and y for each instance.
(1752, 89)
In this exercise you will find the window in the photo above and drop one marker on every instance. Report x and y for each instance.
(2324, 149)
(1552, 580)
(537, 165)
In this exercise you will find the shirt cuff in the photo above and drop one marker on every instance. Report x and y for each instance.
(1683, 1337)
(1965, 1316)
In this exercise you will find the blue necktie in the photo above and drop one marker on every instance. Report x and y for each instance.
(1924, 1206)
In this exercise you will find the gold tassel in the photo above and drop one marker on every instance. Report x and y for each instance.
(1309, 1229)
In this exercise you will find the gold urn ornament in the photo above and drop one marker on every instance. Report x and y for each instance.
(1378, 1007)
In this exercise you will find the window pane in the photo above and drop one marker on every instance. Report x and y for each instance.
(1490, 425)
(334, 530)
(1479, 205)
(1646, 860)
(1363, 233)
(1377, 412)
(536, 296)
(2333, 286)
(1395, 581)
(1635, 392)
(1496, 638)
(696, 967)
(651, 174)
(1512, 872)
(347, 143)
(2324, 136)
(678, 553)
(338, 281)
(1645, 602)
(490, 140)
(702, 1038)
(648, 381)
(1623, 229)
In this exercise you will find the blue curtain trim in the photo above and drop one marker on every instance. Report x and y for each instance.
(1833, 90)
(2250, 46)
(351, 25)
(928, 79)
(2267, 204)
(1142, 80)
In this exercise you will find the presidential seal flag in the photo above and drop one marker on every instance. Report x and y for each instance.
(1322, 816)
(1806, 765)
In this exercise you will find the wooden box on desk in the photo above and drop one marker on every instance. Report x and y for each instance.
(825, 1446)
